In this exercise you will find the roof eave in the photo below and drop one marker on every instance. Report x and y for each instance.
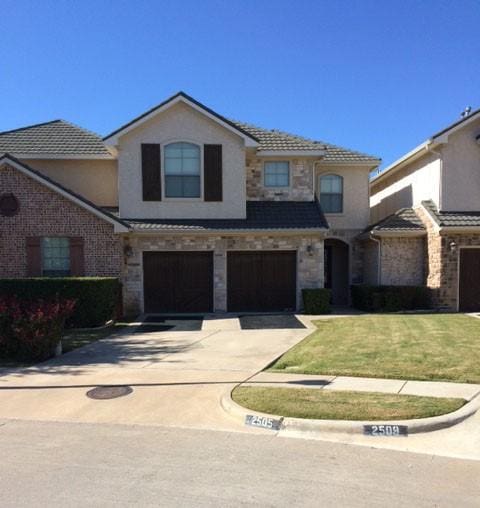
(231, 232)
(291, 153)
(402, 161)
(112, 139)
(59, 156)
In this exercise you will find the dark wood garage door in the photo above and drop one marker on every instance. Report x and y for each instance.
(178, 281)
(469, 280)
(261, 281)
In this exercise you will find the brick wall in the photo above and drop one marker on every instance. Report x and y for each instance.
(44, 212)
(403, 261)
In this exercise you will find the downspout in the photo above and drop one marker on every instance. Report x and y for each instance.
(379, 257)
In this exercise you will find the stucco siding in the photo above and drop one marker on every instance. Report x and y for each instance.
(94, 179)
(181, 123)
(461, 170)
(408, 187)
(356, 211)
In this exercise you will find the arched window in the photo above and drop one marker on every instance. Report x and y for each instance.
(331, 193)
(182, 170)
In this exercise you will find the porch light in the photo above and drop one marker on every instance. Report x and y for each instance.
(128, 251)
(310, 250)
(453, 246)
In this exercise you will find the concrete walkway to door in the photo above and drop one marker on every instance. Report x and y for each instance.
(178, 377)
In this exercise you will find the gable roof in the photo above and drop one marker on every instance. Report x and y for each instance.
(439, 137)
(404, 222)
(120, 225)
(112, 138)
(275, 140)
(55, 138)
(261, 216)
(452, 219)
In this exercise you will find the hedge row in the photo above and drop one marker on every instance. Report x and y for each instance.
(390, 298)
(316, 301)
(95, 297)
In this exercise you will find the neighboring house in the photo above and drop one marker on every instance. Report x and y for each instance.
(426, 210)
(194, 212)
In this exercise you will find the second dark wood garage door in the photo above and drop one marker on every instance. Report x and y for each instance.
(261, 281)
(469, 285)
(178, 281)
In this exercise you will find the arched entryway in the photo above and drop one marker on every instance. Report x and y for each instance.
(336, 264)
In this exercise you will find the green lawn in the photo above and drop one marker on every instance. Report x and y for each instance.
(441, 347)
(341, 405)
(73, 339)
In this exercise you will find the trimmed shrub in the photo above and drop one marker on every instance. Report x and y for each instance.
(316, 301)
(30, 331)
(390, 298)
(96, 297)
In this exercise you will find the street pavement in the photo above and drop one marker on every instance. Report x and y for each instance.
(89, 465)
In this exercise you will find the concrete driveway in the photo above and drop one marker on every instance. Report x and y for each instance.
(178, 376)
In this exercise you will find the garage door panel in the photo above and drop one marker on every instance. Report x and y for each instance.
(178, 281)
(469, 280)
(261, 281)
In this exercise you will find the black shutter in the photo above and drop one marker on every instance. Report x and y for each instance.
(77, 258)
(212, 172)
(34, 256)
(151, 177)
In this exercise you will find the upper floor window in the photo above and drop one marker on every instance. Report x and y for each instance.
(331, 193)
(182, 170)
(55, 256)
(277, 174)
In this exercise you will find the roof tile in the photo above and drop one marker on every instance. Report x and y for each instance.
(261, 215)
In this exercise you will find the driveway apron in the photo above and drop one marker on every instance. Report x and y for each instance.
(178, 376)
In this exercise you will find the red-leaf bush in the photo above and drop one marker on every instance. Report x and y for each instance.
(30, 330)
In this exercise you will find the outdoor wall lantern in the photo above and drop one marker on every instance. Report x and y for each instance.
(310, 250)
(128, 251)
(453, 246)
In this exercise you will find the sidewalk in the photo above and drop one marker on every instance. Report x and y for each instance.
(361, 384)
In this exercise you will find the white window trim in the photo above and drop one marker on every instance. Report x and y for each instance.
(162, 172)
(289, 186)
(319, 188)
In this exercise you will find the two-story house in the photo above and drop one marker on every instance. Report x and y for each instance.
(426, 213)
(194, 212)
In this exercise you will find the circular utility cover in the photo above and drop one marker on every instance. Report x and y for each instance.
(109, 392)
(9, 205)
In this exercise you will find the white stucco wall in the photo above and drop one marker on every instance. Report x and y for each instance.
(356, 211)
(94, 179)
(181, 123)
(461, 170)
(409, 186)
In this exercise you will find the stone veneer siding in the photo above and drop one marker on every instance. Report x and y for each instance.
(403, 261)
(442, 271)
(309, 271)
(44, 212)
(301, 184)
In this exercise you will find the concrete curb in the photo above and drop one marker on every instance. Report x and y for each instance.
(312, 427)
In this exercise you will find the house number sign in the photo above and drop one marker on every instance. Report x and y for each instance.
(263, 421)
(385, 430)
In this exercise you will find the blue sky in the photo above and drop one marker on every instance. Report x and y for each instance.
(377, 76)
